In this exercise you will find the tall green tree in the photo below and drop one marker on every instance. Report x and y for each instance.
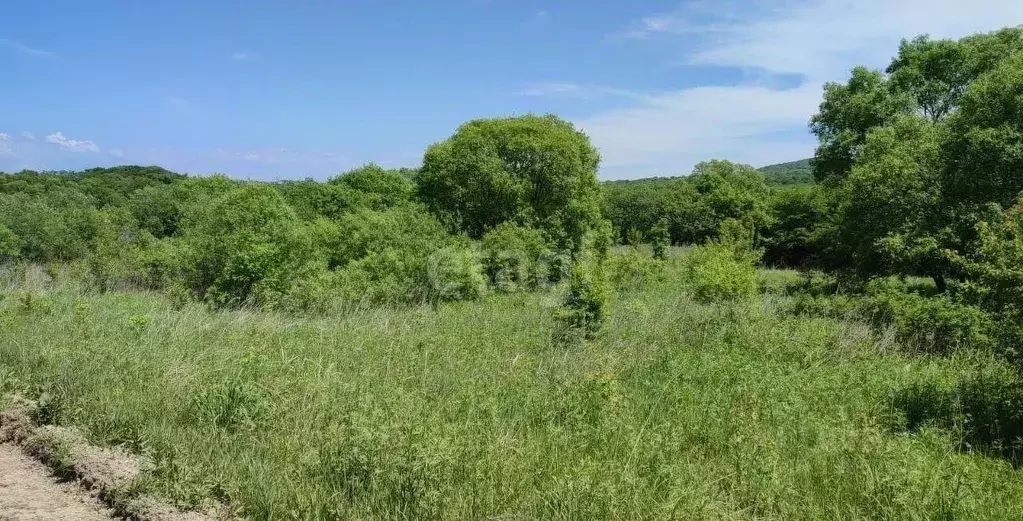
(533, 170)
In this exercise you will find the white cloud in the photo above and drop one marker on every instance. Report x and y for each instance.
(25, 49)
(116, 152)
(5, 145)
(62, 141)
(28, 135)
(243, 56)
(573, 90)
(823, 39)
(751, 120)
(669, 133)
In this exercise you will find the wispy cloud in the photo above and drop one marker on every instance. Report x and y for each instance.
(757, 119)
(574, 90)
(59, 139)
(243, 56)
(116, 152)
(25, 49)
(5, 144)
(821, 39)
(28, 135)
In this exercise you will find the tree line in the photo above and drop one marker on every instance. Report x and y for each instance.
(504, 203)
(917, 173)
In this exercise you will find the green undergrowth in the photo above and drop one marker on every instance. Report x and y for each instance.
(471, 410)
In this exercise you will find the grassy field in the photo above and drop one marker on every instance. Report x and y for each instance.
(679, 410)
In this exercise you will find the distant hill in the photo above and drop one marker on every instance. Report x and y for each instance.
(791, 173)
(783, 174)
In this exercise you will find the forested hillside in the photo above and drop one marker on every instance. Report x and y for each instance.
(791, 173)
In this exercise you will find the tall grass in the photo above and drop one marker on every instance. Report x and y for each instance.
(680, 410)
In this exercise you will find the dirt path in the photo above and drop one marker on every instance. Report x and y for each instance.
(29, 492)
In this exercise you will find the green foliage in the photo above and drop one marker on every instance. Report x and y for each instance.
(634, 237)
(890, 198)
(789, 174)
(10, 244)
(694, 207)
(386, 276)
(981, 407)
(512, 255)
(635, 206)
(660, 239)
(795, 236)
(724, 269)
(632, 270)
(377, 188)
(158, 209)
(247, 247)
(59, 227)
(982, 152)
(312, 200)
(456, 274)
(714, 273)
(531, 170)
(408, 229)
(936, 324)
(914, 158)
(585, 310)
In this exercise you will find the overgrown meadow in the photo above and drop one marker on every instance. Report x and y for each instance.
(679, 410)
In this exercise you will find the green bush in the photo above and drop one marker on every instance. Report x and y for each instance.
(10, 244)
(713, 273)
(376, 187)
(408, 229)
(632, 270)
(930, 324)
(455, 274)
(660, 239)
(511, 255)
(586, 307)
(247, 247)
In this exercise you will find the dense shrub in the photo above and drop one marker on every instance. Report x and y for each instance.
(724, 269)
(586, 307)
(930, 324)
(632, 270)
(57, 227)
(247, 247)
(387, 276)
(312, 199)
(713, 273)
(693, 206)
(10, 244)
(409, 229)
(512, 255)
(376, 187)
(158, 209)
(660, 239)
(455, 274)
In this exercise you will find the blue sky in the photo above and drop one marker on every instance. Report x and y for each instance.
(308, 89)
